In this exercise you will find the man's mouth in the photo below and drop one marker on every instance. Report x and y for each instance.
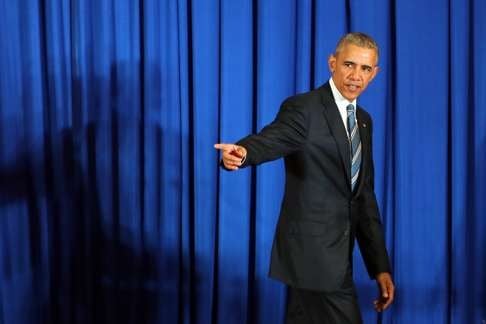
(352, 87)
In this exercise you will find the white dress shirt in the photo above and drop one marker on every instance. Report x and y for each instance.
(342, 103)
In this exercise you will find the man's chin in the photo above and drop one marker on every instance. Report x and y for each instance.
(351, 97)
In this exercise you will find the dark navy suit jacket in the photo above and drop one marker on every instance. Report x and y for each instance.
(320, 216)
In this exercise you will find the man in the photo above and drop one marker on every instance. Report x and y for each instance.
(329, 195)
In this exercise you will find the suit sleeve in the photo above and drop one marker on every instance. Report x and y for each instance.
(285, 135)
(369, 231)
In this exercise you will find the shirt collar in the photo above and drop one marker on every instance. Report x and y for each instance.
(338, 97)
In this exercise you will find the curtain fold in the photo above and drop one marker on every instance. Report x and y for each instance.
(112, 205)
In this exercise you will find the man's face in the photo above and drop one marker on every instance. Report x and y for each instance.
(352, 69)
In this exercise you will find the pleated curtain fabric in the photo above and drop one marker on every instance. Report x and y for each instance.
(113, 208)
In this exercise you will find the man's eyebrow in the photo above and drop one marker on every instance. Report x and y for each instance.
(363, 66)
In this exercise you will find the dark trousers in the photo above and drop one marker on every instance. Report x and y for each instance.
(339, 307)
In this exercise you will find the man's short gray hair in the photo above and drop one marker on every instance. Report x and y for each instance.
(358, 39)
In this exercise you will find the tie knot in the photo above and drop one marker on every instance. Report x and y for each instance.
(350, 108)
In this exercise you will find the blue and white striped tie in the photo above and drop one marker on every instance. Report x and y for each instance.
(354, 144)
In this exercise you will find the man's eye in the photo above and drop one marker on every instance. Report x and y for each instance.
(348, 64)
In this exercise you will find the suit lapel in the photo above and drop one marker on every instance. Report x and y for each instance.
(335, 122)
(365, 149)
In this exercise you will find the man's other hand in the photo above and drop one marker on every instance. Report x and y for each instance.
(233, 155)
(387, 291)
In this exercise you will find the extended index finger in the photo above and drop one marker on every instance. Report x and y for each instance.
(224, 147)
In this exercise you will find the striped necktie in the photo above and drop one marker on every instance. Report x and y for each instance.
(354, 144)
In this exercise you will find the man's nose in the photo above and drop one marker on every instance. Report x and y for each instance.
(355, 74)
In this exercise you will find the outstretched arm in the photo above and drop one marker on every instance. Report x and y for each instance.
(286, 134)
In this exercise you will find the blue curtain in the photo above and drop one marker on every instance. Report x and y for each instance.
(112, 205)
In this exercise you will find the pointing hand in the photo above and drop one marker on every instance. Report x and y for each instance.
(233, 155)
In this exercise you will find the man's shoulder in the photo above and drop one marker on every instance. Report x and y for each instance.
(308, 98)
(363, 114)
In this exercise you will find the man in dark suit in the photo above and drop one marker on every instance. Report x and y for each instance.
(329, 195)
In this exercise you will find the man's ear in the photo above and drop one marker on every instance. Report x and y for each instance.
(376, 69)
(331, 62)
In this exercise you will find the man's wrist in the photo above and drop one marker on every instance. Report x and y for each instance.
(381, 274)
(244, 155)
